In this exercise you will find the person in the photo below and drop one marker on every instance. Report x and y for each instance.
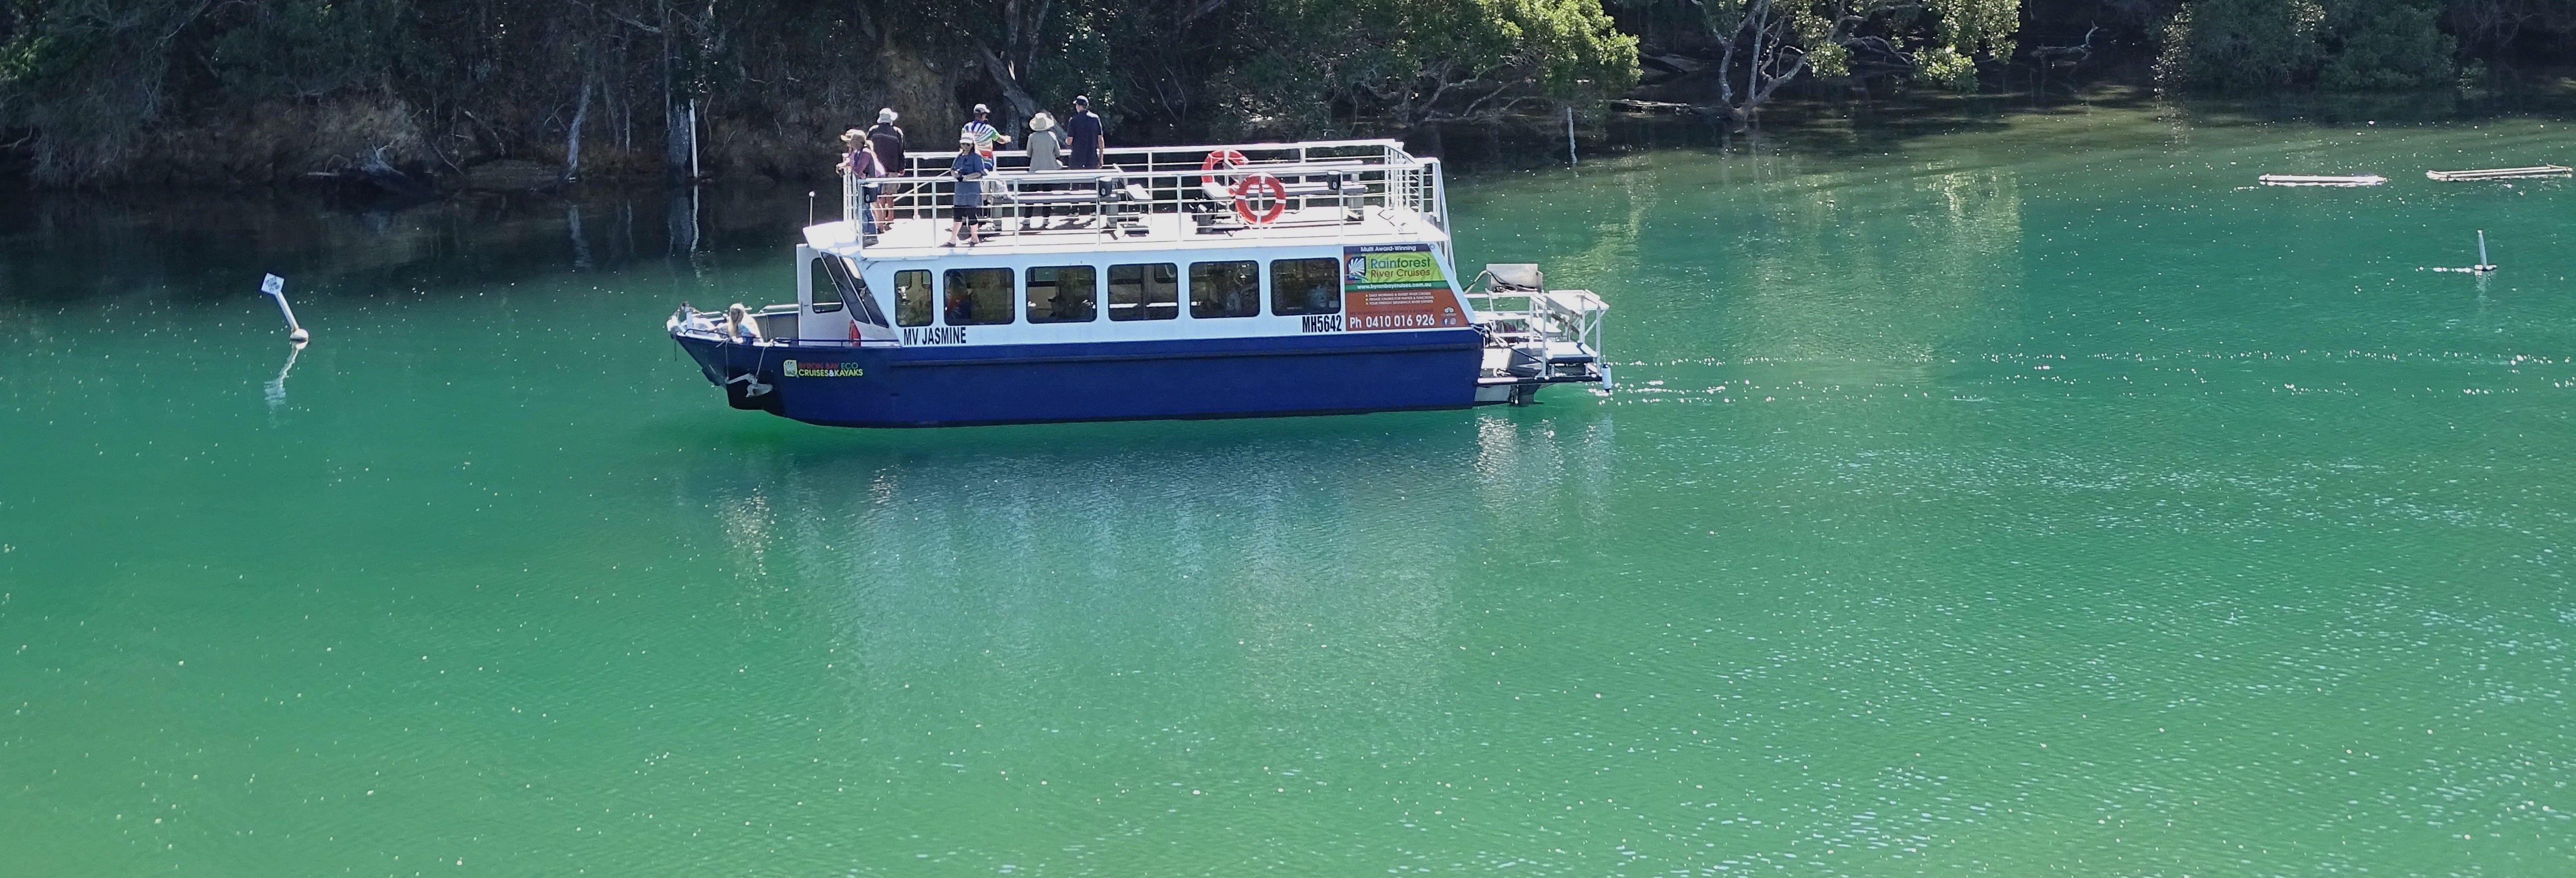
(1082, 135)
(739, 326)
(887, 142)
(968, 206)
(1044, 145)
(980, 130)
(862, 164)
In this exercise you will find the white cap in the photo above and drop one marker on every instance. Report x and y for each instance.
(981, 109)
(885, 117)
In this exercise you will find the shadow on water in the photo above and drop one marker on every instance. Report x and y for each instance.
(69, 246)
(1845, 129)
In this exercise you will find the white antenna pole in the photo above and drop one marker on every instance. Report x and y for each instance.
(275, 287)
(1569, 138)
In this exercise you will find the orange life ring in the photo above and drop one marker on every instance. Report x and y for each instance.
(1243, 195)
(1227, 158)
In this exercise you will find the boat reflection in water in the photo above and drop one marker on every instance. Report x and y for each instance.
(1303, 570)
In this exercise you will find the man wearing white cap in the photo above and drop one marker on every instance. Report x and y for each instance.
(887, 139)
(981, 131)
(887, 142)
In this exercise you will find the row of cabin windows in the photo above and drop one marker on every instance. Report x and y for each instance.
(1146, 291)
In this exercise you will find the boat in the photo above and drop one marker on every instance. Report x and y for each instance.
(1217, 281)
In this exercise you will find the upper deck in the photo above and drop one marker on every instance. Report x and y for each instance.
(1160, 198)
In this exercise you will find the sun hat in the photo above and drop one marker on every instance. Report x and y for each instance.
(1041, 122)
(885, 116)
(852, 134)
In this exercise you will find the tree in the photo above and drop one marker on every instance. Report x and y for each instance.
(1765, 44)
(1420, 62)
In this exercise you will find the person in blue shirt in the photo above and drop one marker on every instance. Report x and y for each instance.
(968, 206)
(1082, 135)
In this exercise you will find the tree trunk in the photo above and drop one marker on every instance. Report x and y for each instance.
(572, 139)
(1022, 106)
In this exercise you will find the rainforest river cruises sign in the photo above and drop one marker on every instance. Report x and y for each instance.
(1397, 286)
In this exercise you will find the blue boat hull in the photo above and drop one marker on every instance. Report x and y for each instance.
(936, 386)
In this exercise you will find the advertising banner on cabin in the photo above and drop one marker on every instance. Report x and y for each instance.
(1397, 286)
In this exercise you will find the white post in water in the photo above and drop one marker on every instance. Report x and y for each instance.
(275, 287)
(1569, 138)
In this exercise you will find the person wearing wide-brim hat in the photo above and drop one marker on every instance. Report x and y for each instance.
(1046, 148)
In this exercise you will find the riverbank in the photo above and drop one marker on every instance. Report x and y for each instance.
(1662, 116)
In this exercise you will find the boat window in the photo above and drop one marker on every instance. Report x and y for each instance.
(1306, 286)
(1063, 294)
(912, 298)
(827, 292)
(863, 303)
(1145, 292)
(1225, 289)
(978, 296)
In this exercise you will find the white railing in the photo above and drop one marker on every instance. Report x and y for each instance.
(1352, 175)
(1518, 307)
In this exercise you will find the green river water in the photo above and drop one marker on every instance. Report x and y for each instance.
(2026, 494)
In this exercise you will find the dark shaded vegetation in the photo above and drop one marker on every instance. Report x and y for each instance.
(519, 95)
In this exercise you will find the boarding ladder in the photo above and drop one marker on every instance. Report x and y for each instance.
(1534, 336)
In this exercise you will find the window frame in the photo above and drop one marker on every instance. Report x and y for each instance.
(1250, 309)
(1144, 310)
(930, 307)
(1028, 284)
(948, 283)
(819, 282)
(1332, 268)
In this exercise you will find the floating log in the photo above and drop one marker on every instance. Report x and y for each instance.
(1636, 106)
(2501, 173)
(2321, 180)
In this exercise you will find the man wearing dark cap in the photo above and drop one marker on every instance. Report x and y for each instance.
(1082, 135)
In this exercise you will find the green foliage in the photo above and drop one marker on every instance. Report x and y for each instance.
(2237, 46)
(1934, 41)
(2242, 45)
(311, 48)
(1423, 61)
(2386, 45)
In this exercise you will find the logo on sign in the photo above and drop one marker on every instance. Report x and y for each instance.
(797, 369)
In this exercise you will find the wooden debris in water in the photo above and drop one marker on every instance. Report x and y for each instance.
(2501, 173)
(2321, 180)
(1635, 106)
